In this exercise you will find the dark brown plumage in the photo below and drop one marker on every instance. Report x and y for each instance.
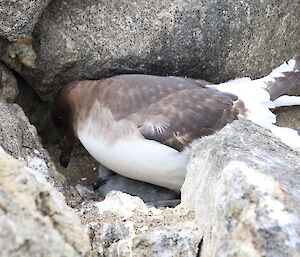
(183, 108)
(143, 126)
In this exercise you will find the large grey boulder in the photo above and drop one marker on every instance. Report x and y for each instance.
(18, 18)
(20, 139)
(212, 40)
(243, 184)
(34, 219)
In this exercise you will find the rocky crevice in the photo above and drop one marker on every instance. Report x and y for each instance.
(240, 197)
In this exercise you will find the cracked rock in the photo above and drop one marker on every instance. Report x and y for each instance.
(210, 40)
(122, 225)
(243, 184)
(19, 138)
(34, 219)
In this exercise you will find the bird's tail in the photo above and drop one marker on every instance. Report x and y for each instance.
(283, 78)
(261, 95)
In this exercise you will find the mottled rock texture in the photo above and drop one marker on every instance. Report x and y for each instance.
(18, 18)
(34, 219)
(8, 84)
(212, 40)
(19, 138)
(243, 184)
(288, 116)
(123, 225)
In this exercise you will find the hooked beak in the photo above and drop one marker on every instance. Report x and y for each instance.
(65, 155)
(64, 159)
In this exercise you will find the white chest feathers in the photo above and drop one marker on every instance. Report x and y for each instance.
(138, 158)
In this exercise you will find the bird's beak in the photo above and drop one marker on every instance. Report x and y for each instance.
(65, 155)
(64, 159)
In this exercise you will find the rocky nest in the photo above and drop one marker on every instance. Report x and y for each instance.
(241, 194)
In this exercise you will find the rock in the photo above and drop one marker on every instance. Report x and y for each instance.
(212, 40)
(34, 219)
(19, 54)
(18, 18)
(8, 84)
(37, 111)
(288, 117)
(122, 225)
(14, 89)
(243, 184)
(19, 138)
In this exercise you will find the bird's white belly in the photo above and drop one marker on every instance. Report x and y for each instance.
(140, 159)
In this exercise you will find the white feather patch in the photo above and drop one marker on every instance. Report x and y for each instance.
(287, 135)
(287, 100)
(139, 158)
(152, 128)
(257, 101)
(287, 66)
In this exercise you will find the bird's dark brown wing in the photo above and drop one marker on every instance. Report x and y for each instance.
(181, 117)
(127, 94)
(173, 111)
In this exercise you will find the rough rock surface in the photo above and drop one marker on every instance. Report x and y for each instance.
(36, 110)
(123, 225)
(18, 54)
(288, 117)
(243, 184)
(8, 84)
(212, 40)
(19, 138)
(18, 18)
(34, 219)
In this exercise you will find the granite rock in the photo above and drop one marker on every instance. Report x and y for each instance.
(212, 40)
(8, 84)
(122, 225)
(243, 185)
(20, 139)
(18, 18)
(34, 219)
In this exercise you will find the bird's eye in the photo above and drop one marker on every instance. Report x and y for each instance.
(58, 122)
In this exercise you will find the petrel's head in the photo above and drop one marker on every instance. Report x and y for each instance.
(62, 118)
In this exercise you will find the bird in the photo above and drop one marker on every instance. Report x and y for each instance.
(144, 127)
(151, 194)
